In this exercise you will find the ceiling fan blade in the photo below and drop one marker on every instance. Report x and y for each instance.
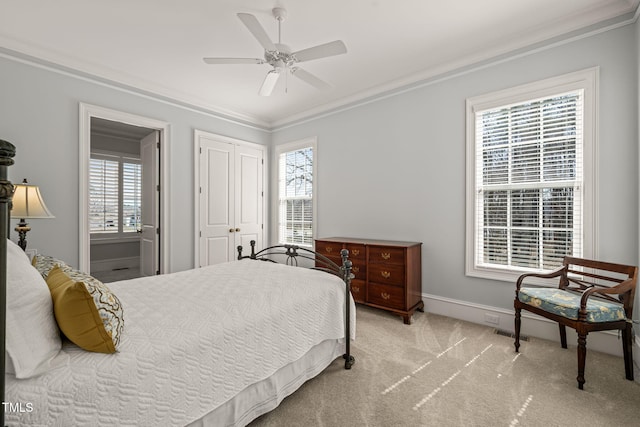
(310, 78)
(233, 60)
(269, 82)
(321, 51)
(257, 30)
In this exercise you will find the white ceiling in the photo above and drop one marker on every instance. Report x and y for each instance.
(158, 45)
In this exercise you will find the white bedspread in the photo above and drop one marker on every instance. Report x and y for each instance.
(192, 341)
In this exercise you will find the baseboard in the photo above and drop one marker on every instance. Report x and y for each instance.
(532, 325)
(115, 263)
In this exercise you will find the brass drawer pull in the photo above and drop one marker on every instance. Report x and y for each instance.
(355, 252)
(355, 289)
(385, 255)
(355, 269)
(328, 249)
(385, 274)
(385, 295)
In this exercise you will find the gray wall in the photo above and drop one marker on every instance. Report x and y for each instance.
(390, 169)
(39, 114)
(395, 168)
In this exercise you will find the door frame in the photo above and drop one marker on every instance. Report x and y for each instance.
(196, 185)
(86, 112)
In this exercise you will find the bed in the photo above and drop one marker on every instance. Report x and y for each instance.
(218, 345)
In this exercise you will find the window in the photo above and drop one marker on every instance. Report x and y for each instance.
(530, 179)
(296, 184)
(115, 184)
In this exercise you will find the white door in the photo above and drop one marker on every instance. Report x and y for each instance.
(149, 247)
(249, 198)
(217, 201)
(231, 198)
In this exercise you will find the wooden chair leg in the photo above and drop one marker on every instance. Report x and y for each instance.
(582, 356)
(563, 336)
(517, 329)
(627, 350)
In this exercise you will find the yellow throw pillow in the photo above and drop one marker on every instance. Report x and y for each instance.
(76, 313)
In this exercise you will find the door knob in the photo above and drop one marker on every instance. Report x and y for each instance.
(237, 229)
(231, 230)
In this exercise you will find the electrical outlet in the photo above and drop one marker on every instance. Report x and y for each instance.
(492, 319)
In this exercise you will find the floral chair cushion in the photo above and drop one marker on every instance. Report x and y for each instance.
(567, 304)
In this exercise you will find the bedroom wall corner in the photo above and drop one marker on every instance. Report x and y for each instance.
(403, 159)
(39, 109)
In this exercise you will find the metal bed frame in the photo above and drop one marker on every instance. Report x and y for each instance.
(292, 254)
(7, 152)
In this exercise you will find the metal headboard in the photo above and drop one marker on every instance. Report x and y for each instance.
(7, 152)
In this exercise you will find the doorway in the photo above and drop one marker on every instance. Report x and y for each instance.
(126, 137)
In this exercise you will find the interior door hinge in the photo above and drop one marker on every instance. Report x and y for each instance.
(158, 231)
(201, 234)
(158, 144)
(158, 187)
(200, 150)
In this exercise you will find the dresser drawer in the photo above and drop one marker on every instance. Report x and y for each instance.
(359, 269)
(387, 255)
(388, 274)
(387, 296)
(357, 252)
(331, 250)
(359, 290)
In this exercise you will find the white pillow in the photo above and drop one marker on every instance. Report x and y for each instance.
(33, 337)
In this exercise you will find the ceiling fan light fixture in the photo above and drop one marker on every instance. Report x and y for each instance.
(269, 82)
(280, 56)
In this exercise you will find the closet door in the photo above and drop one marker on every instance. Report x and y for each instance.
(249, 197)
(230, 198)
(217, 202)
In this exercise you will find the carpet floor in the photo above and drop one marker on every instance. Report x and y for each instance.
(441, 371)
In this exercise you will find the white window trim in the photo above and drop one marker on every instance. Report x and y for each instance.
(586, 80)
(283, 148)
(115, 235)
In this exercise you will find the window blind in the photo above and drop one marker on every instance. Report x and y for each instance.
(295, 189)
(529, 182)
(115, 194)
(103, 195)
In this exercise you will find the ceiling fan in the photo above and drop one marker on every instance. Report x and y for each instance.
(280, 56)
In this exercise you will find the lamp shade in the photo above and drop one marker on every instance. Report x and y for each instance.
(28, 203)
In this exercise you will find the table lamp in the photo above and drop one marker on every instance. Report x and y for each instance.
(27, 204)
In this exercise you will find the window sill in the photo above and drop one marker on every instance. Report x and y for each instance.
(509, 275)
(115, 239)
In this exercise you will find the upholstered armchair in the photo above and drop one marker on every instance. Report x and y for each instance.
(590, 296)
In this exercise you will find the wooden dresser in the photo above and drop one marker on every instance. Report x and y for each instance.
(388, 274)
